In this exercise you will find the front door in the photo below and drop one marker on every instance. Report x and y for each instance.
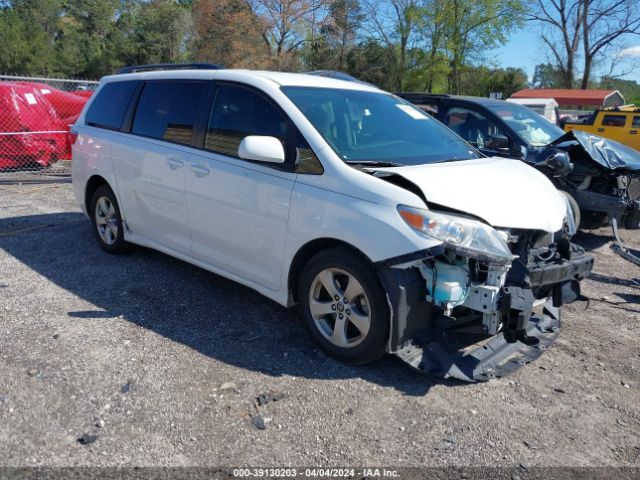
(238, 210)
(478, 130)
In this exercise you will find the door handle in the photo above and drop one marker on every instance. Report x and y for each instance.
(174, 163)
(633, 132)
(601, 130)
(200, 170)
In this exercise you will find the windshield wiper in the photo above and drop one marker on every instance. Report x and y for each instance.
(373, 163)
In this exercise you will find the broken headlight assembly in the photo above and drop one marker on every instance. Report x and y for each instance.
(464, 236)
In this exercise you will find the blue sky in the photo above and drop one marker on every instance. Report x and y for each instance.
(525, 50)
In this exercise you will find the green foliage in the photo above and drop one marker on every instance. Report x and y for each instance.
(472, 27)
(371, 62)
(417, 45)
(629, 89)
(481, 81)
(547, 75)
(91, 38)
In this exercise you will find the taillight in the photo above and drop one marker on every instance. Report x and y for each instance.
(73, 136)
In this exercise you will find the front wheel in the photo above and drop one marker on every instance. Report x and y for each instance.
(344, 306)
(575, 208)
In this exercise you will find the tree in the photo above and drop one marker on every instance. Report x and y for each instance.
(228, 32)
(547, 75)
(474, 26)
(28, 29)
(83, 37)
(345, 19)
(432, 28)
(561, 21)
(604, 22)
(328, 48)
(481, 81)
(372, 62)
(162, 31)
(287, 24)
(394, 23)
(596, 25)
(630, 89)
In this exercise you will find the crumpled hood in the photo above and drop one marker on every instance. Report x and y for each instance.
(503, 192)
(605, 152)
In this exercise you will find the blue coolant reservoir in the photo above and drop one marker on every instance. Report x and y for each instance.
(451, 283)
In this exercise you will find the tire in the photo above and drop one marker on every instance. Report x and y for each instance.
(593, 220)
(632, 220)
(362, 333)
(107, 221)
(577, 215)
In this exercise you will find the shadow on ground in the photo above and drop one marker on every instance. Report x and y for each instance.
(212, 315)
(591, 241)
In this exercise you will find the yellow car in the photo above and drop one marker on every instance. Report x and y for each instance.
(621, 124)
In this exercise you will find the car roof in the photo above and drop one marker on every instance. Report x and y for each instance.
(250, 76)
(479, 100)
(436, 98)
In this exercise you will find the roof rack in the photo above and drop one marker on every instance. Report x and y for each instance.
(422, 98)
(422, 95)
(170, 66)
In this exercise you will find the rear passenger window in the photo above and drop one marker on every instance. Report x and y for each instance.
(109, 107)
(614, 120)
(167, 110)
(636, 122)
(237, 113)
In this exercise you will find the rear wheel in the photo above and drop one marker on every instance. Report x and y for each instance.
(107, 221)
(344, 306)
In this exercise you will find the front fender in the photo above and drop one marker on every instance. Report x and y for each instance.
(374, 229)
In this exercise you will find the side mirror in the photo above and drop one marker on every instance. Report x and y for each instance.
(497, 142)
(261, 149)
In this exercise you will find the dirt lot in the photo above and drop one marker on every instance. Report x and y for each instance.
(150, 361)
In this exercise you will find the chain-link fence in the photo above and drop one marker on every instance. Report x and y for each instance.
(35, 117)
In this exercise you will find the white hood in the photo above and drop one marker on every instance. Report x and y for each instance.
(503, 192)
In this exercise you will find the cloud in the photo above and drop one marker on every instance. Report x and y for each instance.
(630, 52)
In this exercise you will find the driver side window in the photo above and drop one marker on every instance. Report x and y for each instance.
(472, 126)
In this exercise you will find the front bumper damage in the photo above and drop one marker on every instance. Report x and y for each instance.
(505, 323)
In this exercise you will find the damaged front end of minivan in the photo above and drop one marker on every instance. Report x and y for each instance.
(484, 302)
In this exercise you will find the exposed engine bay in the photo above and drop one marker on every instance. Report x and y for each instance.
(457, 316)
(473, 315)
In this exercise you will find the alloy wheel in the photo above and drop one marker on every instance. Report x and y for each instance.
(106, 220)
(340, 307)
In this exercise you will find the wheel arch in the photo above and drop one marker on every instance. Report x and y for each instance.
(92, 185)
(306, 252)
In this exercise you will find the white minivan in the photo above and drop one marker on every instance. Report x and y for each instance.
(388, 231)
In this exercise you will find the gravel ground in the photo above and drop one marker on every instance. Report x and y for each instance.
(145, 360)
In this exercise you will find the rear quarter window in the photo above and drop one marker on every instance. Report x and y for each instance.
(110, 106)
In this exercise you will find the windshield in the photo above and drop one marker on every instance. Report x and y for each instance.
(372, 127)
(534, 129)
